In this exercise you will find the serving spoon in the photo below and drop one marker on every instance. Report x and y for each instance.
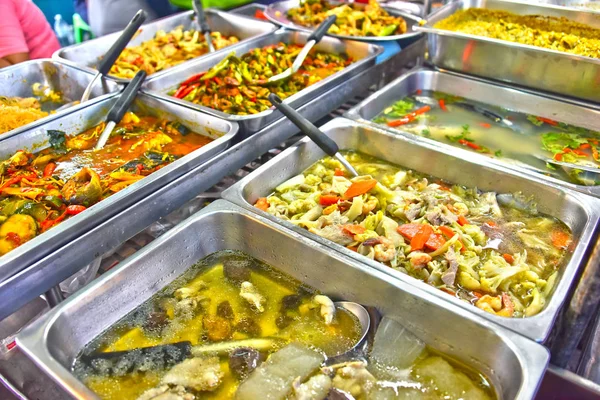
(111, 56)
(314, 38)
(167, 355)
(322, 140)
(203, 25)
(118, 110)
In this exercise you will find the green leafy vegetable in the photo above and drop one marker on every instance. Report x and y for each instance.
(463, 135)
(426, 133)
(498, 153)
(399, 108)
(556, 142)
(534, 120)
(57, 140)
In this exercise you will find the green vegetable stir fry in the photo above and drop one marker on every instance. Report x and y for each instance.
(538, 142)
(494, 251)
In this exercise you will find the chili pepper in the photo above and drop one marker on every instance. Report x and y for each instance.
(547, 120)
(485, 125)
(217, 80)
(49, 170)
(17, 179)
(462, 221)
(262, 204)
(399, 122)
(182, 92)
(139, 168)
(442, 104)
(584, 146)
(469, 144)
(192, 79)
(359, 188)
(328, 199)
(74, 209)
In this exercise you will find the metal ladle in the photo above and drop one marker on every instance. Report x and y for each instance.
(203, 25)
(174, 353)
(320, 139)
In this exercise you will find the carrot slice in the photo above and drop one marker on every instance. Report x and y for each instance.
(560, 239)
(462, 220)
(353, 229)
(485, 125)
(449, 233)
(435, 241)
(328, 199)
(262, 204)
(422, 236)
(509, 258)
(360, 187)
(443, 104)
(338, 172)
(408, 230)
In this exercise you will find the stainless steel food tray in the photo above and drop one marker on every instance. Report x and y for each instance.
(61, 77)
(221, 131)
(485, 92)
(515, 366)
(364, 55)
(530, 66)
(579, 212)
(277, 13)
(89, 53)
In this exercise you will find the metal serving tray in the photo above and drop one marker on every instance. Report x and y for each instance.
(277, 13)
(486, 92)
(579, 212)
(221, 131)
(364, 55)
(61, 77)
(530, 66)
(89, 53)
(515, 366)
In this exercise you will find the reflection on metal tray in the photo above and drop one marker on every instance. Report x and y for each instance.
(515, 367)
(364, 55)
(221, 131)
(579, 212)
(589, 5)
(530, 66)
(60, 77)
(484, 92)
(249, 10)
(277, 13)
(88, 54)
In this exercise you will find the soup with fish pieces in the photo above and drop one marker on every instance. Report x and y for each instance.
(495, 251)
(232, 327)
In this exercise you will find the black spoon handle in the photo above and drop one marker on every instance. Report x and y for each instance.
(124, 102)
(201, 18)
(322, 140)
(322, 29)
(115, 51)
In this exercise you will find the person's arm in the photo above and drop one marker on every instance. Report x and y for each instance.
(13, 46)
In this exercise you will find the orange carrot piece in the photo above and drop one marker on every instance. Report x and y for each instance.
(462, 220)
(560, 239)
(509, 258)
(422, 236)
(262, 204)
(359, 188)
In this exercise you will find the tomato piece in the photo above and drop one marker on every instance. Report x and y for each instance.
(469, 144)
(328, 199)
(262, 204)
(74, 209)
(359, 188)
(558, 156)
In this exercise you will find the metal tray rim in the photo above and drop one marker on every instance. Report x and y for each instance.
(532, 356)
(295, 97)
(536, 327)
(354, 114)
(60, 114)
(20, 254)
(410, 18)
(57, 54)
(427, 28)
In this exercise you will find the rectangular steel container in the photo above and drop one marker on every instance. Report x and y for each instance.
(530, 66)
(89, 53)
(221, 131)
(364, 55)
(513, 364)
(485, 92)
(579, 212)
(70, 81)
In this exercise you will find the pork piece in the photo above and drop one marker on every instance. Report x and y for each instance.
(450, 275)
(249, 293)
(354, 379)
(200, 374)
(413, 211)
(334, 233)
(165, 392)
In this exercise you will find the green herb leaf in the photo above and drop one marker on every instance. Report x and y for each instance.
(498, 153)
(426, 133)
(556, 142)
(57, 140)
